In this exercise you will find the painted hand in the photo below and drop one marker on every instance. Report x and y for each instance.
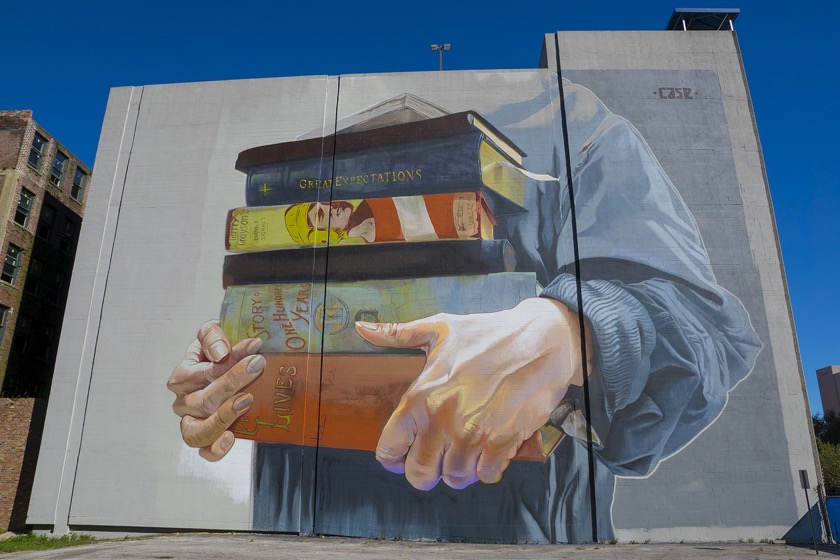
(207, 387)
(490, 381)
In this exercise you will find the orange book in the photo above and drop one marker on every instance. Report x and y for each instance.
(358, 393)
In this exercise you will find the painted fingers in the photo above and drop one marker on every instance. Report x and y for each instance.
(207, 385)
(490, 381)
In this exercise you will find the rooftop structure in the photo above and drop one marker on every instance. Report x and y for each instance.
(703, 19)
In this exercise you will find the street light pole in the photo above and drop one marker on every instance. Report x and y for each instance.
(440, 49)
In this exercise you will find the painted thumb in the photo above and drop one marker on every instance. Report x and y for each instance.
(414, 334)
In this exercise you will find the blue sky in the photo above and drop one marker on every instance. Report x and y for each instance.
(63, 64)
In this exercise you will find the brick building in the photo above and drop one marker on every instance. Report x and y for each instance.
(43, 190)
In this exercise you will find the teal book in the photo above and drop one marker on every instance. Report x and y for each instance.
(306, 317)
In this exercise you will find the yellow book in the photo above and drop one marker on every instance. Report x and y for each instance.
(446, 216)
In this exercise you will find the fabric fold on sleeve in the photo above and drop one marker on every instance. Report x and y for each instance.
(623, 332)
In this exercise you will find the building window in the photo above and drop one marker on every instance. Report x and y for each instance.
(46, 343)
(57, 289)
(12, 264)
(45, 223)
(21, 340)
(59, 163)
(38, 151)
(33, 276)
(24, 207)
(68, 238)
(4, 317)
(79, 181)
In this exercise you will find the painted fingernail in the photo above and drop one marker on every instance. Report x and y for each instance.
(256, 364)
(367, 326)
(254, 346)
(242, 402)
(226, 441)
(218, 350)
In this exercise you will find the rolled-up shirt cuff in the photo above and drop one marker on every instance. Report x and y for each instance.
(623, 332)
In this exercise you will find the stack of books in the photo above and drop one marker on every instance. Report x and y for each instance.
(397, 212)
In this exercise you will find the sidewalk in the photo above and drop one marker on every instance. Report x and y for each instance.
(205, 546)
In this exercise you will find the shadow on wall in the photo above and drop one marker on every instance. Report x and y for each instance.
(28, 459)
(802, 532)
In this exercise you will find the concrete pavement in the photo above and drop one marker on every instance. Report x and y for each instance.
(215, 546)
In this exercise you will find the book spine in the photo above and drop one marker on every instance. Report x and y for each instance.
(441, 165)
(283, 401)
(343, 402)
(383, 171)
(371, 262)
(355, 222)
(376, 136)
(297, 317)
(358, 393)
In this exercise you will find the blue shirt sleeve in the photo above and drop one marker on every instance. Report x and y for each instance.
(669, 342)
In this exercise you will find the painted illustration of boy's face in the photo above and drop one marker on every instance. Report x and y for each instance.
(335, 215)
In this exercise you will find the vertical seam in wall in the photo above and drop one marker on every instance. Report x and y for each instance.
(324, 307)
(102, 304)
(581, 321)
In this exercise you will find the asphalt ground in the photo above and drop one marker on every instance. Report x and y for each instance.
(212, 546)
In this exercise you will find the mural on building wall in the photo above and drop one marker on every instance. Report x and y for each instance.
(400, 332)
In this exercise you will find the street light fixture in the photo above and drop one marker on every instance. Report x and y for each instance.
(440, 49)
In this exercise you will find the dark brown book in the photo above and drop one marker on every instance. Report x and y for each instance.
(348, 263)
(324, 147)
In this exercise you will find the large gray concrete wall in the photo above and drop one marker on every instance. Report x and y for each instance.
(699, 417)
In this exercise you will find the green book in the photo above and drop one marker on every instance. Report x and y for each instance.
(298, 316)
